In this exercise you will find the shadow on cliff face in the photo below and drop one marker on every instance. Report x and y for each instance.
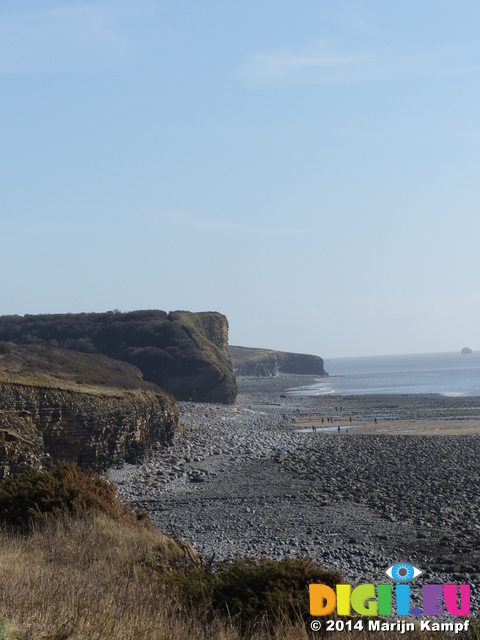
(184, 353)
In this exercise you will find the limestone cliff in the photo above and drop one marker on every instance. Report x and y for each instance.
(267, 362)
(209, 332)
(56, 404)
(184, 353)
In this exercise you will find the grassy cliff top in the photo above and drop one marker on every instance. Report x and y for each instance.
(68, 370)
(242, 354)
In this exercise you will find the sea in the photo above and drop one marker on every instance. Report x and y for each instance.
(447, 374)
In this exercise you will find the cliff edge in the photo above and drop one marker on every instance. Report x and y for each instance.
(267, 362)
(184, 353)
(58, 404)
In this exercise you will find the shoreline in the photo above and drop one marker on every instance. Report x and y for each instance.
(241, 479)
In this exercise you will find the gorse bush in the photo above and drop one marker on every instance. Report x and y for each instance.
(254, 591)
(62, 490)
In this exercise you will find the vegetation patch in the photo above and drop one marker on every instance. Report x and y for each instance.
(63, 490)
(56, 368)
(256, 592)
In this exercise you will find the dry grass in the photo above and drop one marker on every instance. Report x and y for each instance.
(90, 578)
(66, 370)
(94, 578)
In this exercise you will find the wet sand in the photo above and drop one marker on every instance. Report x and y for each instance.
(396, 414)
(394, 427)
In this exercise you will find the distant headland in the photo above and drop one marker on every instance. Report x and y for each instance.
(267, 362)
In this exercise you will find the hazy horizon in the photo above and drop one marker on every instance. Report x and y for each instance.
(394, 355)
(311, 171)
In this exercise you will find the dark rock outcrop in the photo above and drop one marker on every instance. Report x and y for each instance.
(184, 353)
(266, 362)
(466, 351)
(56, 404)
(207, 374)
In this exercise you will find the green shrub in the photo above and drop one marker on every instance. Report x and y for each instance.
(255, 591)
(8, 630)
(62, 490)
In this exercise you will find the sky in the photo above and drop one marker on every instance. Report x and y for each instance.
(310, 169)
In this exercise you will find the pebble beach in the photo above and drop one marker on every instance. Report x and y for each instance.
(382, 479)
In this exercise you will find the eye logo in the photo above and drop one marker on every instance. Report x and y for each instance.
(403, 572)
(377, 600)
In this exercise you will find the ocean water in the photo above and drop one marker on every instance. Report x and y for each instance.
(448, 374)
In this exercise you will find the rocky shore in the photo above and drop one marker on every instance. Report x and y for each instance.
(245, 479)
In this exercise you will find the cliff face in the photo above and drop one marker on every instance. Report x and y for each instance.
(266, 362)
(214, 377)
(184, 353)
(56, 404)
(94, 430)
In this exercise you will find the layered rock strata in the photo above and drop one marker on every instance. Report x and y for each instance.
(95, 430)
(266, 362)
(58, 404)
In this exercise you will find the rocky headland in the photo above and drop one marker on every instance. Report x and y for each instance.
(85, 408)
(249, 361)
(245, 479)
(184, 353)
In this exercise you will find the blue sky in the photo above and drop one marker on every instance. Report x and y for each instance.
(311, 169)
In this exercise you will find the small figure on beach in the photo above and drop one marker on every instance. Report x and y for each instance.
(375, 421)
(338, 428)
